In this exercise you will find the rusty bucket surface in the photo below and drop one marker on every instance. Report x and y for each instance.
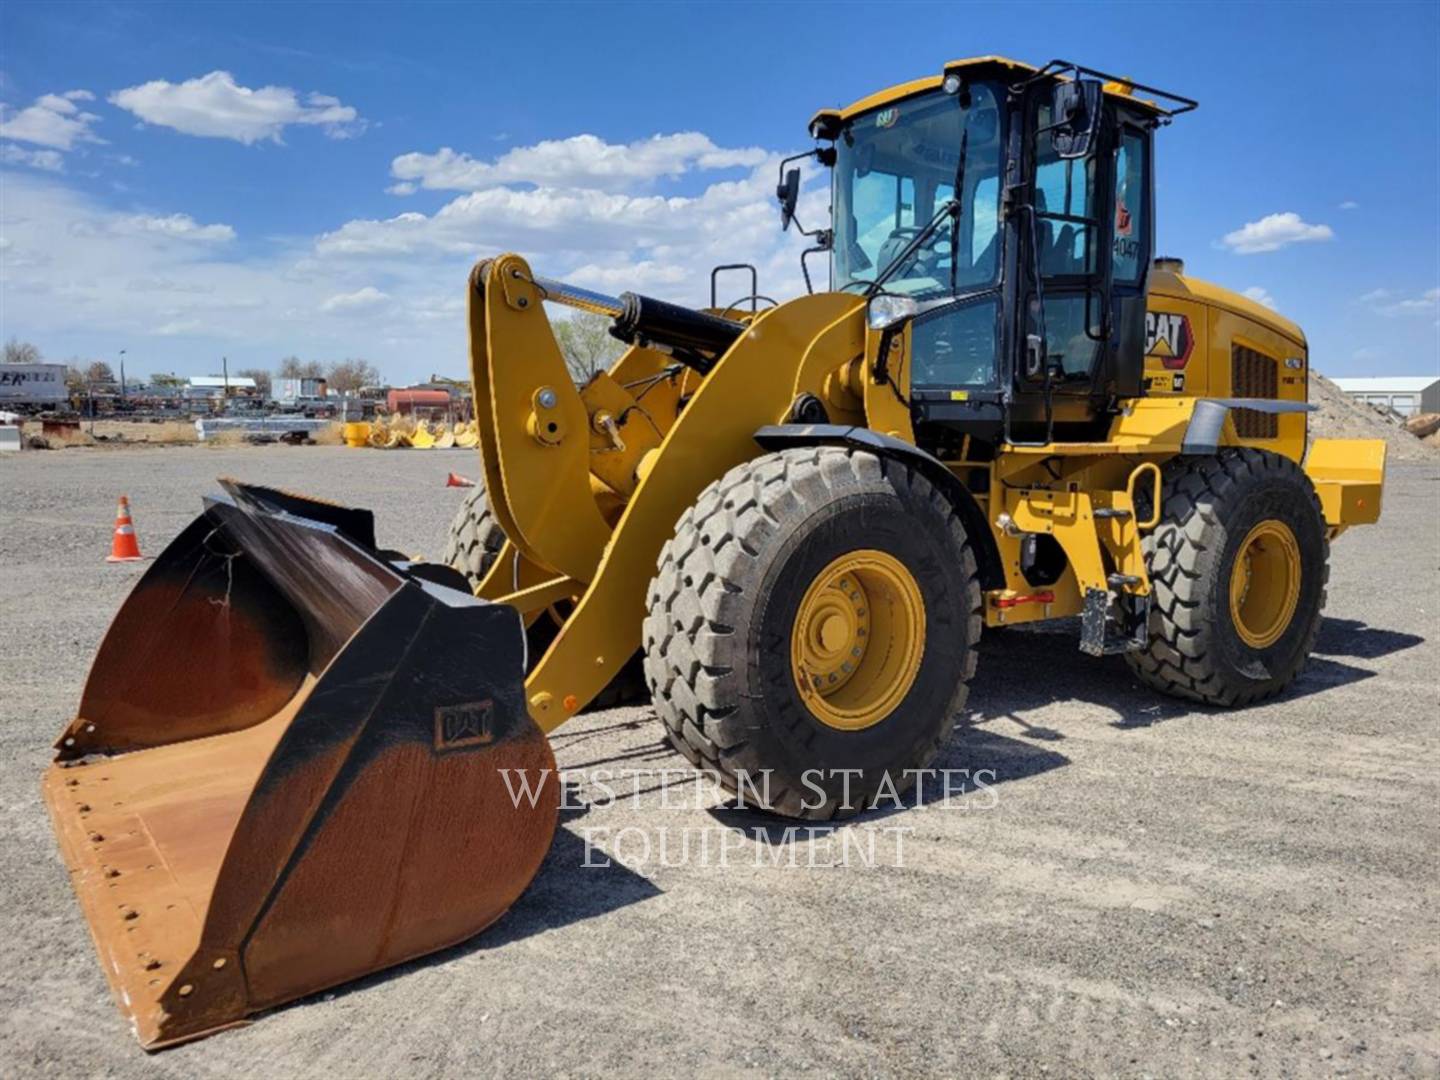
(296, 760)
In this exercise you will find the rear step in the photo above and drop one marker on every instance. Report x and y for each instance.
(293, 765)
(1113, 623)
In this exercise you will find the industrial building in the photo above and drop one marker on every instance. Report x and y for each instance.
(1408, 395)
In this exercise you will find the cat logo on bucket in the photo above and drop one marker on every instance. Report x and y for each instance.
(1168, 338)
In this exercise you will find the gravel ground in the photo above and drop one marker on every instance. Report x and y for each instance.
(1139, 888)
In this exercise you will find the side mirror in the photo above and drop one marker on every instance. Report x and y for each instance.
(788, 192)
(1074, 117)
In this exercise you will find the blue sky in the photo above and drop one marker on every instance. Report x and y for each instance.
(255, 180)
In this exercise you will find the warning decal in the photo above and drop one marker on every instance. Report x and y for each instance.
(1168, 338)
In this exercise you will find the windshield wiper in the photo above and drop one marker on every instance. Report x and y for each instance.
(959, 194)
(951, 207)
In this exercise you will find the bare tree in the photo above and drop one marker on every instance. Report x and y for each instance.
(292, 367)
(99, 372)
(20, 352)
(587, 343)
(261, 377)
(348, 376)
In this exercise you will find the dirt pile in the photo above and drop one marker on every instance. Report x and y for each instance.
(1340, 416)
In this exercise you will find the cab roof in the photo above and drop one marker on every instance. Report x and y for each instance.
(830, 120)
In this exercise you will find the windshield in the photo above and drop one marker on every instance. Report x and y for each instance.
(895, 168)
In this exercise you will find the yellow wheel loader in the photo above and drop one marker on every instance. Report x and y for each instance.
(300, 757)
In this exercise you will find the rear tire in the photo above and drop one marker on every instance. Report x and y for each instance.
(737, 580)
(1239, 521)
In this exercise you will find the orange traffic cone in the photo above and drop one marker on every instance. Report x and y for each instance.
(124, 547)
(456, 480)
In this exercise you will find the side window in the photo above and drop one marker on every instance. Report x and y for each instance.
(1130, 223)
(1064, 197)
(954, 346)
(983, 226)
(1065, 335)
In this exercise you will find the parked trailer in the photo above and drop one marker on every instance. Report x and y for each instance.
(33, 387)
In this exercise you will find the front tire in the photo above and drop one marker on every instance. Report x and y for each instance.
(1238, 564)
(786, 570)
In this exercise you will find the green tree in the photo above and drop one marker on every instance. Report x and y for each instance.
(587, 344)
(348, 376)
(20, 352)
(165, 379)
(292, 367)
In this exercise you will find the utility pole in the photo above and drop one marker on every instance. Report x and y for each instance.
(225, 374)
(122, 374)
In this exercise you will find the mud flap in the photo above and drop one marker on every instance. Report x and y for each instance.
(295, 762)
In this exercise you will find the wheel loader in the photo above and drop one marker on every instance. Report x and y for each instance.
(300, 757)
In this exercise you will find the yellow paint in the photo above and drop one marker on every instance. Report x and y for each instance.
(1265, 584)
(747, 389)
(858, 639)
(1349, 477)
(885, 402)
(900, 91)
(536, 461)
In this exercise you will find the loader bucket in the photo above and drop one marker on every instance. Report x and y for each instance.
(293, 764)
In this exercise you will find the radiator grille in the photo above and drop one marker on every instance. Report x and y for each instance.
(1254, 375)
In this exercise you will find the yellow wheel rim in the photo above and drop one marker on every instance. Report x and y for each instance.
(1265, 584)
(858, 639)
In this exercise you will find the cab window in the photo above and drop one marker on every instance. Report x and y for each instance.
(1130, 209)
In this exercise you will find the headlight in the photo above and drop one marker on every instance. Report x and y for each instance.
(885, 311)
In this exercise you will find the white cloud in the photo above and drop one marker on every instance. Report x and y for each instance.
(1261, 296)
(48, 160)
(581, 161)
(179, 328)
(322, 298)
(54, 120)
(1384, 302)
(214, 105)
(1273, 232)
(171, 227)
(1349, 204)
(360, 299)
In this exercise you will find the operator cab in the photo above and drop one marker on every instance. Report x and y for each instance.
(1001, 217)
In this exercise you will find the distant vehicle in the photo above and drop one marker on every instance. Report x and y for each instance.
(33, 387)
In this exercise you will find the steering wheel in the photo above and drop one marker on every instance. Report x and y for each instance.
(895, 243)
